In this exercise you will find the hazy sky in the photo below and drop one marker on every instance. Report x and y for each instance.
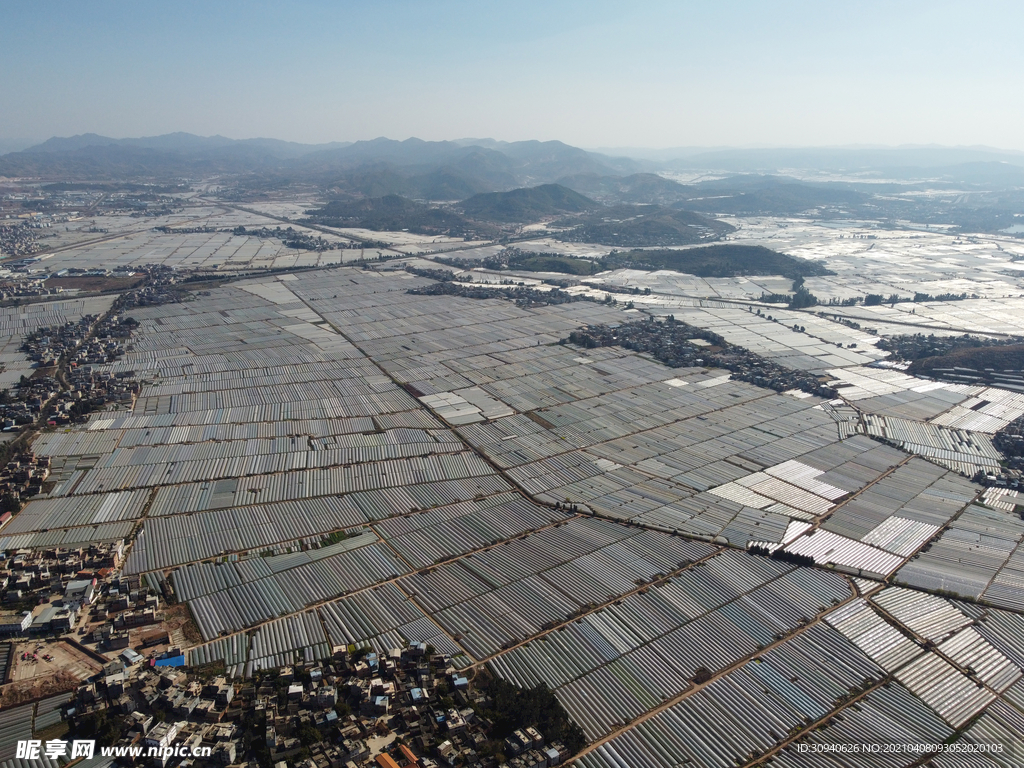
(641, 73)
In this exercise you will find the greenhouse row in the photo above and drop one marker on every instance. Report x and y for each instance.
(978, 555)
(291, 590)
(173, 536)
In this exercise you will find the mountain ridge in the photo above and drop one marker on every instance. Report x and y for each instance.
(468, 168)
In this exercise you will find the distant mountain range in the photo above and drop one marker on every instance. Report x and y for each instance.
(876, 182)
(183, 142)
(455, 170)
(433, 170)
(773, 160)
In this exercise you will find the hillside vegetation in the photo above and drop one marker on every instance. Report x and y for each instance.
(769, 195)
(527, 204)
(644, 188)
(394, 213)
(725, 260)
(999, 358)
(635, 226)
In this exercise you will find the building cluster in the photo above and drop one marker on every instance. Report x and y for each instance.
(50, 204)
(21, 230)
(90, 389)
(161, 288)
(48, 592)
(523, 296)
(76, 349)
(87, 390)
(98, 272)
(526, 748)
(22, 477)
(46, 346)
(1007, 477)
(17, 286)
(198, 230)
(1010, 442)
(19, 237)
(680, 345)
(405, 708)
(302, 241)
(157, 205)
(24, 404)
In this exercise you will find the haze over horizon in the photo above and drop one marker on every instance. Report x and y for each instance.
(597, 75)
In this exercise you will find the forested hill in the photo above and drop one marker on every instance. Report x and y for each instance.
(527, 204)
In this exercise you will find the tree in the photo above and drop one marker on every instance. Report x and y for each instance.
(308, 735)
(802, 299)
(513, 707)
